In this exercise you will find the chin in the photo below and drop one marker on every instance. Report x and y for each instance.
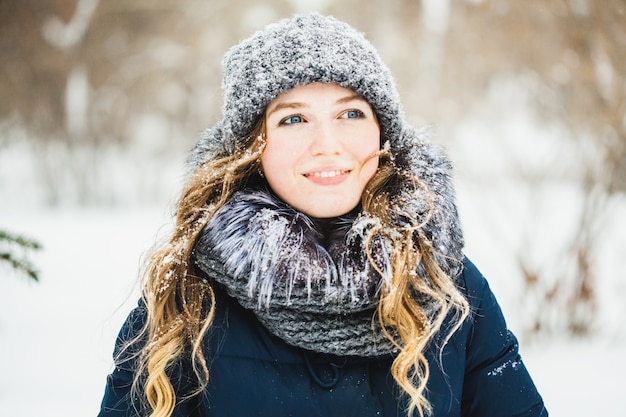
(327, 213)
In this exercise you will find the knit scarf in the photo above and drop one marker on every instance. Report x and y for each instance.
(313, 288)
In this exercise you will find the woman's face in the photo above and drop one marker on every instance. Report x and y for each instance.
(322, 143)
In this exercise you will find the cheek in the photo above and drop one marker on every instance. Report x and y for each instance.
(279, 163)
(368, 170)
(370, 147)
(367, 147)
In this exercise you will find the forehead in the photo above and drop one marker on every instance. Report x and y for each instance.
(315, 92)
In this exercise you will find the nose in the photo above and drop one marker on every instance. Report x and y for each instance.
(325, 140)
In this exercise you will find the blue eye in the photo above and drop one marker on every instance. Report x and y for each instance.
(292, 120)
(353, 114)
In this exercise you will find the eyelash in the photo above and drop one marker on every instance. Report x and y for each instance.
(285, 120)
(360, 114)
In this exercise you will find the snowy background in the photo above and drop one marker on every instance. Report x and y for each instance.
(97, 209)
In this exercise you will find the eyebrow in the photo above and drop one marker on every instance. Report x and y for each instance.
(280, 106)
(298, 105)
(353, 97)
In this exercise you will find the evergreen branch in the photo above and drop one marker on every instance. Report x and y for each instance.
(21, 241)
(21, 265)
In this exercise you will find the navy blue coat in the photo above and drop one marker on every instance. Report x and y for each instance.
(254, 373)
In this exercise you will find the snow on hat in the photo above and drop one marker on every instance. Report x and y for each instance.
(298, 51)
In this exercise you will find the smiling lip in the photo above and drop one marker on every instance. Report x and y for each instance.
(327, 177)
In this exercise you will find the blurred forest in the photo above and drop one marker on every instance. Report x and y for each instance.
(106, 98)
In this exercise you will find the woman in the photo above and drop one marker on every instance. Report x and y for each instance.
(316, 265)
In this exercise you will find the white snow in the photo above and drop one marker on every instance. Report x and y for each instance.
(57, 335)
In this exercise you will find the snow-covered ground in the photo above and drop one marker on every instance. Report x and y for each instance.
(57, 335)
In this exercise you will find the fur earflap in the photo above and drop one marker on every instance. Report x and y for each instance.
(429, 163)
(212, 145)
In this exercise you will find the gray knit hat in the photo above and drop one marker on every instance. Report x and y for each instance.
(298, 51)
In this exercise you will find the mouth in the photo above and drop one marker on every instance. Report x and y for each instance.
(326, 174)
